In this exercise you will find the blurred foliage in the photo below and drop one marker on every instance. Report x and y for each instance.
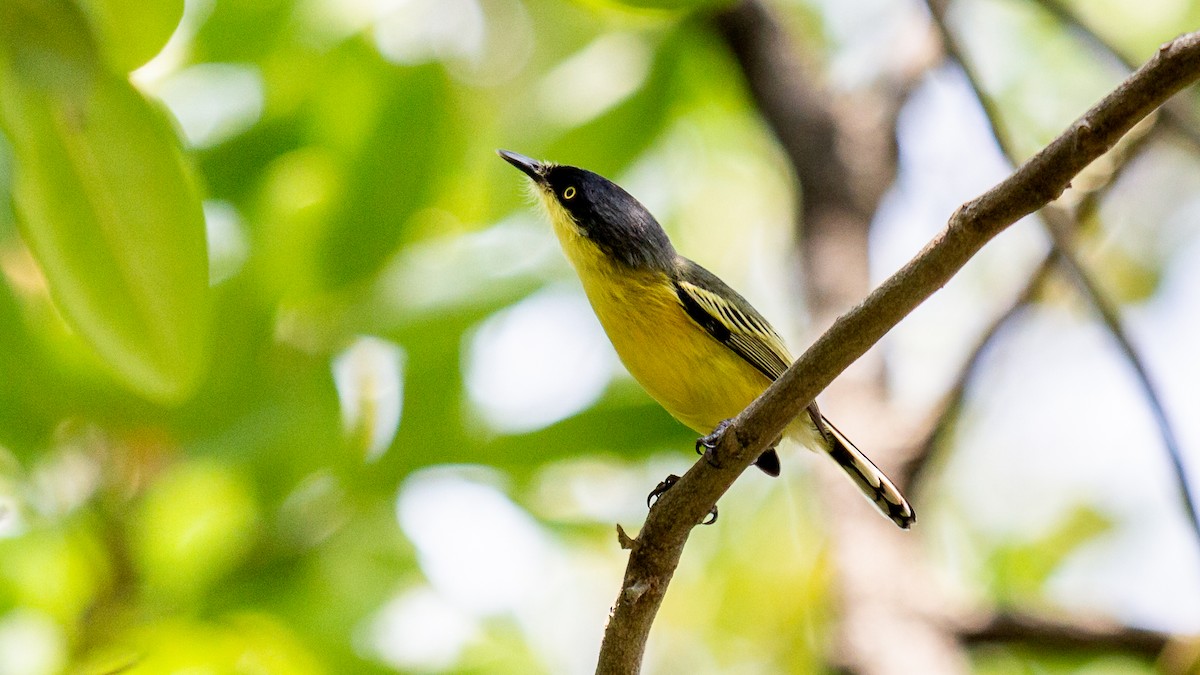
(1022, 568)
(994, 661)
(239, 281)
(85, 143)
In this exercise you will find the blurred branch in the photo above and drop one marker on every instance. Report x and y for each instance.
(1061, 228)
(1077, 635)
(795, 108)
(657, 548)
(843, 169)
(946, 413)
(1060, 225)
(954, 50)
(1176, 113)
(843, 151)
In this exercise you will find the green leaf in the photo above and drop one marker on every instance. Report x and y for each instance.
(247, 31)
(48, 40)
(665, 5)
(68, 552)
(104, 202)
(610, 142)
(196, 524)
(392, 174)
(131, 32)
(1021, 569)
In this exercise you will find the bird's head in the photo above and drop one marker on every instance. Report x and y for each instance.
(599, 210)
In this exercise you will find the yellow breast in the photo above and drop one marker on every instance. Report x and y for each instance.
(693, 376)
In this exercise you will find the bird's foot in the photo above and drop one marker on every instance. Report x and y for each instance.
(707, 445)
(661, 488)
(665, 485)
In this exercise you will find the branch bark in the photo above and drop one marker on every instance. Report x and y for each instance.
(657, 549)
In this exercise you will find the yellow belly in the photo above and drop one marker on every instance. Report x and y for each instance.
(693, 376)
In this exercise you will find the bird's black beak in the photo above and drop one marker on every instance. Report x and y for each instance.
(532, 168)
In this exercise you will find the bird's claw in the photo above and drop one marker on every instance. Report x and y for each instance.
(707, 445)
(665, 485)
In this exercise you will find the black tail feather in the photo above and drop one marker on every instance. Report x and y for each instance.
(875, 485)
(769, 463)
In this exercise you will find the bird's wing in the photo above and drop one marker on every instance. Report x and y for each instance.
(731, 320)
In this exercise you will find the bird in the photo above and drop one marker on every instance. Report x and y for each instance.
(694, 344)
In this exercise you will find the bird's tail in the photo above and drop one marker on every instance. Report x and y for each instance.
(876, 486)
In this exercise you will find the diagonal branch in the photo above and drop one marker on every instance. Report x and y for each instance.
(851, 136)
(840, 188)
(1079, 635)
(1061, 226)
(913, 473)
(656, 551)
(1061, 229)
(1177, 113)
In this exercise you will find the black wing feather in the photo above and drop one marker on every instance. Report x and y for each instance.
(730, 319)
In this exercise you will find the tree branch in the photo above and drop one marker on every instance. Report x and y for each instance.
(1177, 114)
(1076, 636)
(1061, 227)
(913, 473)
(850, 136)
(843, 169)
(878, 625)
(658, 547)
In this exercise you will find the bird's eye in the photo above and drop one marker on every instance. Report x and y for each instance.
(569, 193)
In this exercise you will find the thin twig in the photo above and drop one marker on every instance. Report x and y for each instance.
(1177, 116)
(1061, 636)
(1035, 183)
(1060, 226)
(913, 474)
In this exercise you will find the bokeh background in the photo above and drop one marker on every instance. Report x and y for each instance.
(294, 379)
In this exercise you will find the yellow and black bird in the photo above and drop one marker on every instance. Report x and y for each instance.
(696, 346)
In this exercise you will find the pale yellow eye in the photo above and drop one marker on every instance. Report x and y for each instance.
(569, 193)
